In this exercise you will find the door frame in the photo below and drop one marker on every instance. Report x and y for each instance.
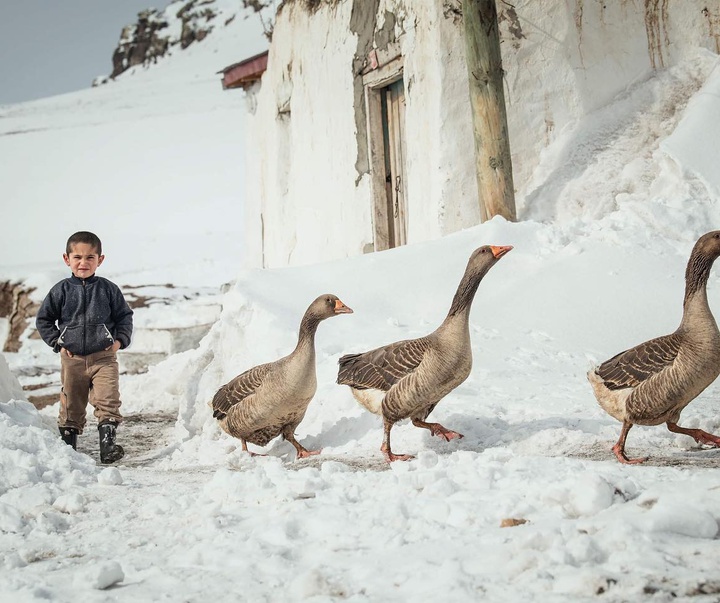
(376, 85)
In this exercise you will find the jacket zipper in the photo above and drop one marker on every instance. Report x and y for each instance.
(84, 327)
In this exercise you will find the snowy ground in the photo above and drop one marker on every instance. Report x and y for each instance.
(186, 516)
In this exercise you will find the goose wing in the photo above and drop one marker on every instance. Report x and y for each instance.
(631, 367)
(238, 389)
(383, 367)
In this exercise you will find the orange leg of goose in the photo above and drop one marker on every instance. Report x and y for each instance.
(302, 453)
(700, 436)
(385, 448)
(619, 448)
(438, 430)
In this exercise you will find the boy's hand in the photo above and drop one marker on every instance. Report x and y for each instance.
(115, 346)
(68, 352)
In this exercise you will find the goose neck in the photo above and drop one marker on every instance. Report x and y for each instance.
(465, 294)
(308, 328)
(695, 302)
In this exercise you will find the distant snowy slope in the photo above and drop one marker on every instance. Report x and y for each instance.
(153, 162)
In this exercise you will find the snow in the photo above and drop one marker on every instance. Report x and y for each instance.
(186, 515)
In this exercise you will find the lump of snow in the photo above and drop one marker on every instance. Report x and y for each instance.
(30, 496)
(102, 575)
(427, 458)
(11, 520)
(110, 477)
(582, 497)
(72, 502)
(679, 518)
(50, 522)
(10, 388)
(591, 495)
(21, 412)
(12, 561)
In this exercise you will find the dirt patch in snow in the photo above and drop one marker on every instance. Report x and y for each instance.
(708, 458)
(143, 436)
(355, 463)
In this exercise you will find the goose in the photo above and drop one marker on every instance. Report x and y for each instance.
(271, 399)
(408, 378)
(651, 383)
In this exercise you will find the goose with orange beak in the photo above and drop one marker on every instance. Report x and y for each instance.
(270, 399)
(406, 379)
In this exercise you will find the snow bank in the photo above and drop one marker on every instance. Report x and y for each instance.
(39, 475)
(41, 481)
(695, 142)
(10, 388)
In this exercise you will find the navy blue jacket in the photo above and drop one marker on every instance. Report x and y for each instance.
(90, 314)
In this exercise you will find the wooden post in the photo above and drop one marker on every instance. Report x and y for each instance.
(487, 100)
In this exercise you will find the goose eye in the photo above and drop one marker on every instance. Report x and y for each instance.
(483, 250)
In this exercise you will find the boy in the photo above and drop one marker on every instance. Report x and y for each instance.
(93, 322)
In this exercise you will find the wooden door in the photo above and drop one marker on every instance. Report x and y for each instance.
(393, 100)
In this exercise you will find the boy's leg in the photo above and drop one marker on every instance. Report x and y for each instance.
(105, 397)
(74, 394)
(105, 393)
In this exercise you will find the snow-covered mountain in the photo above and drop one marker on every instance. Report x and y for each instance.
(154, 159)
(159, 33)
(153, 162)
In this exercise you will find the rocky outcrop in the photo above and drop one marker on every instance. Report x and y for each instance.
(141, 43)
(157, 32)
(19, 309)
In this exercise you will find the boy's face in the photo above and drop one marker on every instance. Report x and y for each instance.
(83, 260)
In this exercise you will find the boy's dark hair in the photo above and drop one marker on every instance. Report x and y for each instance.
(86, 237)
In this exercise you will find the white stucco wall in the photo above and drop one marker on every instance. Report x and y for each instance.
(301, 172)
(442, 186)
(563, 59)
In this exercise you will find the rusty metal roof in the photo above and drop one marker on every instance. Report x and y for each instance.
(244, 73)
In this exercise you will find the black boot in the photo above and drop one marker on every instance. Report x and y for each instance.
(69, 436)
(109, 450)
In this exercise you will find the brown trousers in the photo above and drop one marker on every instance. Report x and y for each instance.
(94, 378)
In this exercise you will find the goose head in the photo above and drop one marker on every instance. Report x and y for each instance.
(704, 254)
(484, 258)
(708, 245)
(327, 306)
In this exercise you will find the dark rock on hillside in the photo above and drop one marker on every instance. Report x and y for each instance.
(18, 308)
(141, 43)
(156, 33)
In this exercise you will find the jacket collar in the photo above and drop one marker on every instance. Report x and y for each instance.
(79, 281)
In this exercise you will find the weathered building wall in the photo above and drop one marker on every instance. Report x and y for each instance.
(309, 195)
(301, 172)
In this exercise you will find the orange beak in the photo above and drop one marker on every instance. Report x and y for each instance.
(500, 250)
(341, 308)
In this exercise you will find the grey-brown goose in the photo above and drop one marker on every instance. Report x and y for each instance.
(651, 383)
(271, 399)
(408, 378)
